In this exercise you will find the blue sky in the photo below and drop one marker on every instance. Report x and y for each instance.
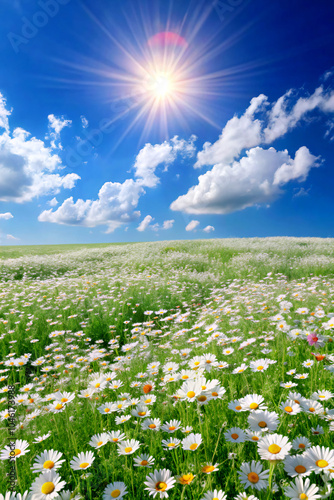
(112, 130)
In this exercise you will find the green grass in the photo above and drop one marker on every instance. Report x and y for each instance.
(104, 291)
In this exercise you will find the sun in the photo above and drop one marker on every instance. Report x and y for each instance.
(161, 86)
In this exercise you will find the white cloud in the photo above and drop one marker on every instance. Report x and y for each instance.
(84, 121)
(168, 224)
(301, 192)
(250, 181)
(238, 134)
(56, 125)
(145, 223)
(53, 202)
(150, 157)
(4, 113)
(11, 237)
(208, 229)
(28, 169)
(115, 206)
(192, 225)
(6, 216)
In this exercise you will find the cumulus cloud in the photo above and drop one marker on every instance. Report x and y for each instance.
(84, 121)
(145, 223)
(150, 157)
(192, 225)
(6, 216)
(53, 202)
(28, 169)
(245, 174)
(56, 125)
(11, 237)
(4, 113)
(249, 181)
(114, 207)
(208, 229)
(168, 224)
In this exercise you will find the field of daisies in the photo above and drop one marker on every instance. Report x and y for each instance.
(189, 370)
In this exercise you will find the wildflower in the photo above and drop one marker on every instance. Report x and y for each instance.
(253, 402)
(300, 443)
(263, 420)
(170, 444)
(296, 466)
(143, 461)
(128, 447)
(301, 490)
(82, 461)
(19, 449)
(116, 436)
(290, 407)
(114, 490)
(159, 482)
(171, 426)
(214, 495)
(252, 475)
(47, 486)
(49, 459)
(235, 435)
(185, 479)
(273, 447)
(141, 411)
(320, 459)
(99, 440)
(209, 468)
(192, 442)
(151, 423)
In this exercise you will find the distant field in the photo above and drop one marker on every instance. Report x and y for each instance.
(191, 356)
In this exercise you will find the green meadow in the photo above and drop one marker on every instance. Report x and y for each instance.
(209, 360)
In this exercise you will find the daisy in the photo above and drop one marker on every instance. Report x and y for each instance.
(244, 496)
(302, 490)
(99, 440)
(153, 424)
(171, 426)
(320, 459)
(312, 407)
(18, 449)
(190, 390)
(240, 369)
(253, 402)
(301, 443)
(296, 466)
(82, 461)
(192, 442)
(217, 392)
(128, 447)
(114, 490)
(235, 406)
(252, 475)
(290, 407)
(141, 411)
(122, 419)
(47, 486)
(143, 461)
(322, 395)
(170, 444)
(317, 431)
(273, 447)
(49, 459)
(64, 397)
(235, 435)
(39, 439)
(253, 435)
(116, 436)
(148, 400)
(288, 385)
(259, 366)
(214, 495)
(159, 482)
(209, 468)
(263, 421)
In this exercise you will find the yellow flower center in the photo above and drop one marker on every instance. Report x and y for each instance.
(128, 449)
(59, 406)
(107, 410)
(17, 452)
(142, 413)
(253, 477)
(300, 469)
(47, 488)
(64, 400)
(208, 468)
(193, 446)
(97, 385)
(84, 465)
(303, 496)
(115, 440)
(161, 486)
(288, 409)
(202, 398)
(171, 445)
(312, 409)
(255, 438)
(301, 446)
(144, 462)
(234, 436)
(48, 464)
(190, 394)
(321, 463)
(274, 449)
(253, 406)
(321, 396)
(196, 363)
(238, 407)
(259, 368)
(262, 424)
(115, 494)
(99, 443)
(172, 428)
(152, 426)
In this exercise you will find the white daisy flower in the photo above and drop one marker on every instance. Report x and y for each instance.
(320, 459)
(290, 407)
(99, 440)
(253, 402)
(159, 482)
(47, 486)
(301, 490)
(263, 421)
(235, 435)
(82, 461)
(273, 447)
(49, 459)
(192, 442)
(301, 443)
(170, 444)
(252, 475)
(128, 447)
(116, 436)
(214, 495)
(14, 451)
(114, 490)
(143, 460)
(296, 466)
